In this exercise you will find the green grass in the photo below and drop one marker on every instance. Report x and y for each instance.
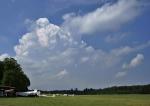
(102, 100)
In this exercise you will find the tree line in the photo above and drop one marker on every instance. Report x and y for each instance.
(11, 74)
(134, 89)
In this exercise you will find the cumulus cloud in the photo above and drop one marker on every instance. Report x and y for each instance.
(47, 48)
(115, 38)
(121, 74)
(125, 50)
(61, 74)
(106, 18)
(122, 50)
(136, 61)
(3, 56)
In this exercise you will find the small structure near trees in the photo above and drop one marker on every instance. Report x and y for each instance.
(7, 91)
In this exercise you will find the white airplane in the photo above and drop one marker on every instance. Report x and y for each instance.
(29, 93)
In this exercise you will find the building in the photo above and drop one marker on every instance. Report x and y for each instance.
(7, 91)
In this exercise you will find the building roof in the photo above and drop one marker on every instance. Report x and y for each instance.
(7, 87)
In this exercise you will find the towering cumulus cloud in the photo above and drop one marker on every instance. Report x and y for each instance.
(52, 57)
(48, 49)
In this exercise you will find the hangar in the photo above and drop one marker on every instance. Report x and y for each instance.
(7, 91)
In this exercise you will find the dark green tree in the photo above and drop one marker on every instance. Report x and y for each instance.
(14, 76)
(1, 71)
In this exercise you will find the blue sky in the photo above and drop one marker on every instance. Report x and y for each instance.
(79, 43)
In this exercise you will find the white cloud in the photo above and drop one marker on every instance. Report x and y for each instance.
(106, 18)
(121, 74)
(3, 56)
(115, 38)
(43, 58)
(84, 59)
(136, 61)
(68, 16)
(61, 74)
(122, 50)
(43, 35)
(125, 50)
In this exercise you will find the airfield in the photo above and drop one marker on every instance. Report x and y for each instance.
(90, 100)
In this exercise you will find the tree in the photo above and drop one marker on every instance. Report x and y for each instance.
(1, 71)
(14, 76)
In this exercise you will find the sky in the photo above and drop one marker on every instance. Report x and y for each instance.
(64, 44)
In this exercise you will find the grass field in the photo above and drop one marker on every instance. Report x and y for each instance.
(102, 100)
